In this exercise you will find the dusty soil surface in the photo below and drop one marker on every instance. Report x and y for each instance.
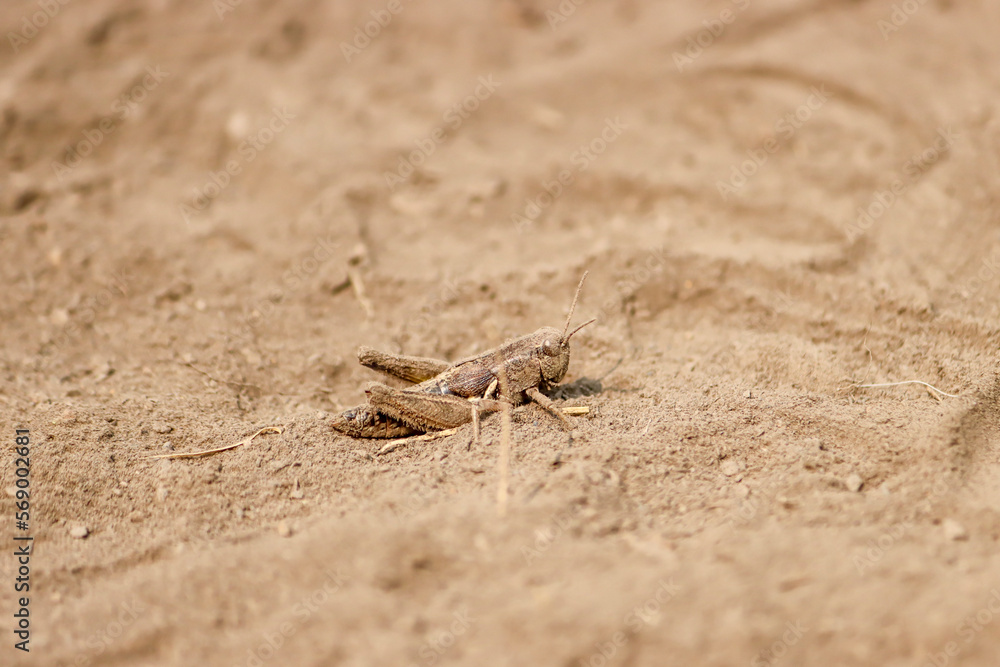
(206, 208)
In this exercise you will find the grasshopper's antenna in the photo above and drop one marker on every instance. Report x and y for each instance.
(572, 308)
(590, 321)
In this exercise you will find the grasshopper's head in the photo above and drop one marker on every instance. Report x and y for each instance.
(554, 348)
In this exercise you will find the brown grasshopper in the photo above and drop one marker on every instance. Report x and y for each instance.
(447, 395)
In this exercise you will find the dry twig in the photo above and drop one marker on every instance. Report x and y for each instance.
(896, 384)
(393, 445)
(245, 441)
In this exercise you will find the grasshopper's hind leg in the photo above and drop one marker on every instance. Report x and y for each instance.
(427, 412)
(411, 369)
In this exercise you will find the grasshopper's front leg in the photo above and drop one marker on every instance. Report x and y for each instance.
(546, 402)
(426, 412)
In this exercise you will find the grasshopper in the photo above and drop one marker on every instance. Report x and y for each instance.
(447, 395)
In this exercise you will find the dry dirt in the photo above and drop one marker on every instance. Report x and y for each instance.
(733, 496)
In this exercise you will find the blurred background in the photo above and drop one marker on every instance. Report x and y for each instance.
(206, 206)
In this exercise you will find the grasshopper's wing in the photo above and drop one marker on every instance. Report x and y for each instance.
(411, 369)
(426, 412)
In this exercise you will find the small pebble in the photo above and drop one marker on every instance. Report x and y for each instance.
(954, 531)
(59, 317)
(55, 256)
(284, 530)
(854, 482)
(79, 532)
(547, 117)
(162, 428)
(730, 467)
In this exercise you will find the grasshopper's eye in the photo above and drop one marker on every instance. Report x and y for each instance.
(550, 348)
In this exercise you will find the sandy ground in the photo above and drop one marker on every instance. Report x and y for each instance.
(776, 201)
